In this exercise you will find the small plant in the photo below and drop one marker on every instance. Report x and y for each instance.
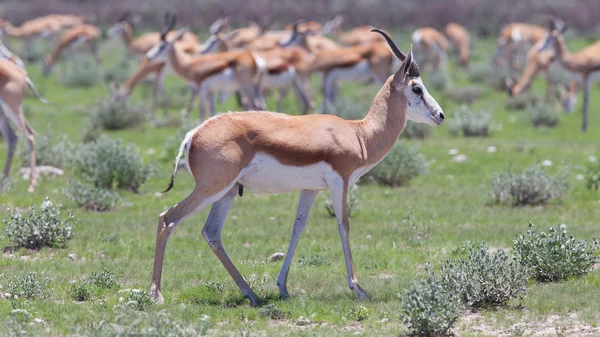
(532, 186)
(359, 313)
(470, 123)
(137, 299)
(522, 101)
(90, 197)
(414, 130)
(108, 163)
(544, 114)
(484, 279)
(104, 279)
(273, 312)
(37, 229)
(428, 309)
(5, 185)
(465, 95)
(313, 261)
(353, 203)
(479, 73)
(401, 165)
(555, 256)
(116, 114)
(593, 175)
(79, 291)
(81, 71)
(31, 286)
(119, 72)
(49, 151)
(417, 232)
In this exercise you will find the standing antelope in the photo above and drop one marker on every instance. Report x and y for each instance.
(270, 153)
(83, 34)
(513, 39)
(359, 35)
(227, 71)
(459, 36)
(431, 46)
(537, 61)
(585, 62)
(5, 53)
(30, 30)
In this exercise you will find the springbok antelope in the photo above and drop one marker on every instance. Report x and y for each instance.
(83, 34)
(584, 63)
(512, 41)
(359, 35)
(270, 153)
(240, 37)
(227, 71)
(30, 30)
(6, 53)
(459, 36)
(537, 61)
(363, 63)
(13, 86)
(431, 47)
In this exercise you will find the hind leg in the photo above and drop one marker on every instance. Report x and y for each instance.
(11, 141)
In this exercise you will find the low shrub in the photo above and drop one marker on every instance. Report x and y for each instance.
(137, 299)
(484, 279)
(470, 123)
(92, 198)
(353, 203)
(414, 130)
(29, 287)
(37, 229)
(480, 73)
(104, 279)
(116, 114)
(402, 164)
(555, 256)
(120, 71)
(465, 95)
(50, 151)
(533, 186)
(542, 114)
(522, 101)
(350, 109)
(81, 70)
(83, 290)
(428, 309)
(79, 291)
(273, 312)
(108, 163)
(358, 313)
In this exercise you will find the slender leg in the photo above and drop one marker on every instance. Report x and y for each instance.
(211, 100)
(282, 93)
(203, 93)
(31, 144)
(307, 198)
(212, 234)
(11, 141)
(192, 100)
(339, 191)
(586, 100)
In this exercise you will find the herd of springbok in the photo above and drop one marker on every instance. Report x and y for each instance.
(268, 152)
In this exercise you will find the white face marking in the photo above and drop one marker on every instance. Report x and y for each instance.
(422, 108)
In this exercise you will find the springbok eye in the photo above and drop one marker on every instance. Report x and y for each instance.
(417, 90)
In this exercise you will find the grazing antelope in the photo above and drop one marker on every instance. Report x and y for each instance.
(227, 71)
(459, 36)
(431, 46)
(270, 153)
(537, 61)
(584, 63)
(30, 30)
(13, 86)
(363, 63)
(83, 34)
(241, 37)
(512, 41)
(359, 35)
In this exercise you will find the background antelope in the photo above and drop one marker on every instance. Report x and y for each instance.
(431, 47)
(514, 39)
(72, 38)
(459, 36)
(274, 153)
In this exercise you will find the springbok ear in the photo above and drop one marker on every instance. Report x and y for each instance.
(406, 64)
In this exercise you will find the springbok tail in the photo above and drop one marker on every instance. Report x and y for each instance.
(183, 147)
(35, 92)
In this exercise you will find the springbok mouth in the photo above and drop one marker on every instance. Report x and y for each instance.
(436, 120)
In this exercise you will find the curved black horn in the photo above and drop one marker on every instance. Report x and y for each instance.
(399, 54)
(170, 20)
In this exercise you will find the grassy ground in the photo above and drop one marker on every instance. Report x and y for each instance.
(454, 197)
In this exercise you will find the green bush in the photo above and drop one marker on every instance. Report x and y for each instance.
(116, 114)
(414, 130)
(358, 313)
(273, 312)
(593, 175)
(555, 256)
(91, 198)
(30, 286)
(470, 123)
(79, 291)
(81, 70)
(533, 186)
(542, 114)
(352, 202)
(522, 101)
(104, 279)
(120, 71)
(428, 309)
(137, 299)
(51, 152)
(480, 73)
(350, 109)
(484, 279)
(108, 163)
(465, 95)
(402, 164)
(37, 229)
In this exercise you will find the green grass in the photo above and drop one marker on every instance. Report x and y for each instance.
(258, 226)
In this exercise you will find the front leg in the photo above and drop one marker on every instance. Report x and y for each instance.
(586, 100)
(339, 192)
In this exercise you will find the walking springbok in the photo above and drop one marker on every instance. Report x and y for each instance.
(584, 63)
(513, 39)
(227, 71)
(537, 61)
(83, 34)
(431, 46)
(459, 36)
(270, 153)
